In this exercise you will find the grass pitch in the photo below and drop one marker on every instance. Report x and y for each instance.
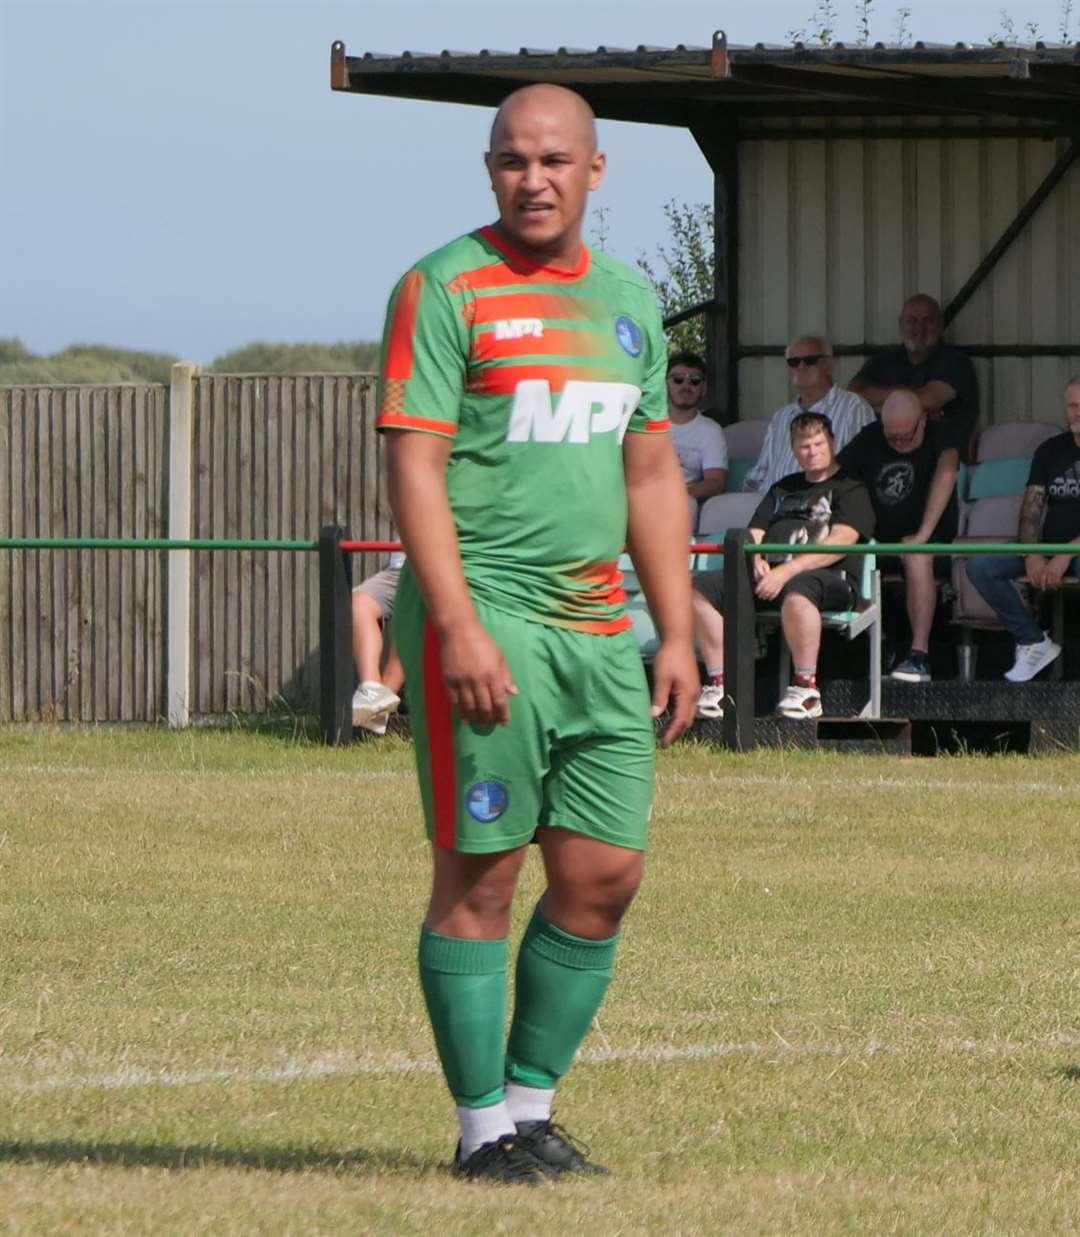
(846, 999)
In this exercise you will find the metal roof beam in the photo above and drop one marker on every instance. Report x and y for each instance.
(924, 96)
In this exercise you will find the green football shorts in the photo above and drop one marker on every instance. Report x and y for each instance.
(578, 753)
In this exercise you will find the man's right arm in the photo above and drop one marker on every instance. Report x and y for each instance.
(476, 675)
(1032, 510)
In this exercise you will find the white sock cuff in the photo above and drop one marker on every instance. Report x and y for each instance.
(483, 1125)
(528, 1103)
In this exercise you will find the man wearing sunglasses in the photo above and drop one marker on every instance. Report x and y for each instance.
(942, 377)
(699, 440)
(809, 360)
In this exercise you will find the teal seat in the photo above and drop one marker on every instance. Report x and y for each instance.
(993, 478)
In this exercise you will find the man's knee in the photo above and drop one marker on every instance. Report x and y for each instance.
(364, 606)
(472, 893)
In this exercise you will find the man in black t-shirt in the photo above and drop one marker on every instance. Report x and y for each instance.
(909, 465)
(821, 505)
(943, 378)
(1051, 514)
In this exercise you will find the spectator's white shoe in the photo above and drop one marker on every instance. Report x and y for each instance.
(370, 700)
(1031, 658)
(711, 701)
(799, 703)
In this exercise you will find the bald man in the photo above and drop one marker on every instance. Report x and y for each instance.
(525, 413)
(909, 465)
(943, 378)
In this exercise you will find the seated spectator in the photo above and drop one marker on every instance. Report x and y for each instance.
(810, 360)
(942, 377)
(819, 505)
(699, 440)
(1050, 513)
(909, 466)
(380, 684)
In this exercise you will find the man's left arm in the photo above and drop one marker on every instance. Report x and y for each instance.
(941, 487)
(658, 534)
(713, 481)
(1057, 565)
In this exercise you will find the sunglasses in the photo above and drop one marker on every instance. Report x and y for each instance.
(693, 379)
(793, 362)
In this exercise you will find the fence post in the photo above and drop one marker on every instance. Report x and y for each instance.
(739, 670)
(336, 669)
(178, 619)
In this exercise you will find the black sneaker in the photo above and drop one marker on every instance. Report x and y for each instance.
(553, 1146)
(506, 1161)
(915, 668)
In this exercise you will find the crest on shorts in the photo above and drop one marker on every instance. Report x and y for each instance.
(628, 333)
(486, 801)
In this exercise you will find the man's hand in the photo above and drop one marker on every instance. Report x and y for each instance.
(675, 683)
(759, 567)
(477, 677)
(1035, 569)
(768, 586)
(1054, 571)
(919, 538)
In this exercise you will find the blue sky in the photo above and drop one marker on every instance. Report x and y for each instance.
(179, 176)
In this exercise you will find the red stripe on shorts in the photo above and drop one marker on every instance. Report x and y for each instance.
(440, 738)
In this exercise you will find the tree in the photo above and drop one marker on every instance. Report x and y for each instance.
(682, 271)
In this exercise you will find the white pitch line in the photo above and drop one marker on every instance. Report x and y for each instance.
(389, 1067)
(788, 781)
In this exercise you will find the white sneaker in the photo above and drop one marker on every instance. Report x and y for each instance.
(376, 724)
(1031, 658)
(800, 702)
(711, 701)
(369, 700)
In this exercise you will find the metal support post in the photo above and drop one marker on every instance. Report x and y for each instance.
(336, 669)
(739, 669)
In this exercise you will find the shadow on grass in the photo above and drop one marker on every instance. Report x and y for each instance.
(1071, 1073)
(284, 1159)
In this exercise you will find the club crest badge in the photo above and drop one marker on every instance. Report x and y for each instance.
(628, 334)
(486, 801)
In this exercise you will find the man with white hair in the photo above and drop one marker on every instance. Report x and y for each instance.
(909, 466)
(1051, 514)
(810, 360)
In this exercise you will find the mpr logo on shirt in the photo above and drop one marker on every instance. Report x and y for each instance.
(518, 328)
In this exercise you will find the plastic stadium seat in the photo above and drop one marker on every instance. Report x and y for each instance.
(724, 511)
(994, 478)
(744, 439)
(1011, 439)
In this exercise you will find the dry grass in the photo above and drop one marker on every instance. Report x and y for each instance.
(847, 999)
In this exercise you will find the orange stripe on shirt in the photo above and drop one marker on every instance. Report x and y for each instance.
(542, 305)
(651, 427)
(399, 350)
(552, 343)
(503, 379)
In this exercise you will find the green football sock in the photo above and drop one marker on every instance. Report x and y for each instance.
(561, 980)
(464, 983)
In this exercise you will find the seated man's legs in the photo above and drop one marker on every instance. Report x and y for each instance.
(920, 596)
(380, 685)
(992, 577)
(708, 601)
(801, 604)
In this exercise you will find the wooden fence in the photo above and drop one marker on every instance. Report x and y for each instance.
(83, 634)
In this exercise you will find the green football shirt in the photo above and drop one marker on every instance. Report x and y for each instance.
(536, 374)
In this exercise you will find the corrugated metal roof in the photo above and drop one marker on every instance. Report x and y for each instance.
(742, 83)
